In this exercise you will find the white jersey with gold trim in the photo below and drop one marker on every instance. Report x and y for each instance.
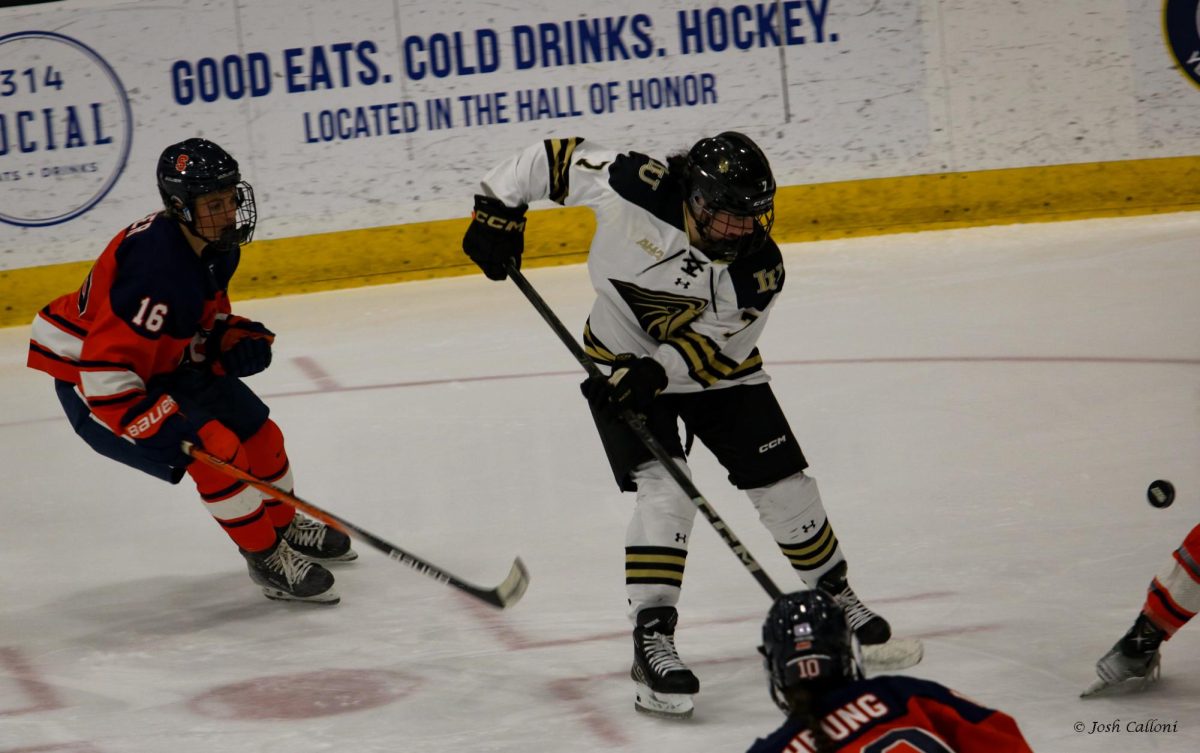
(657, 295)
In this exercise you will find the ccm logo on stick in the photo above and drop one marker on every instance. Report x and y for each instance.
(772, 444)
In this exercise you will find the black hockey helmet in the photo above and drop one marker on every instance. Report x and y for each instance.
(195, 167)
(807, 644)
(729, 174)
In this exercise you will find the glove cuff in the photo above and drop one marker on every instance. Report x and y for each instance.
(147, 420)
(660, 375)
(489, 206)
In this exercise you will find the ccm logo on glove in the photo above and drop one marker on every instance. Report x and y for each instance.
(500, 223)
(152, 420)
(496, 236)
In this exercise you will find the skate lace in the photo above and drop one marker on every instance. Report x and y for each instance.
(304, 531)
(661, 654)
(292, 566)
(857, 614)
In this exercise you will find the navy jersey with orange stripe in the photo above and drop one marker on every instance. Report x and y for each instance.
(894, 714)
(146, 300)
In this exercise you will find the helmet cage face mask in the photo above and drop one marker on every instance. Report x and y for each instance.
(237, 234)
(192, 169)
(731, 195)
(807, 644)
(728, 234)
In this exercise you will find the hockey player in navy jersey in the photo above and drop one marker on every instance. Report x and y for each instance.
(147, 354)
(686, 274)
(816, 679)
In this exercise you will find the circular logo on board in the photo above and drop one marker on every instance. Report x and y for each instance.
(65, 128)
(1181, 24)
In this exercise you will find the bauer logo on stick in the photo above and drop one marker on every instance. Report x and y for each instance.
(1161, 493)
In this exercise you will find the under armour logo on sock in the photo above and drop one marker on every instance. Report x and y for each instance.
(681, 537)
(810, 525)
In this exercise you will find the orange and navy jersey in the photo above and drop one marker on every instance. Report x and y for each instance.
(146, 299)
(894, 714)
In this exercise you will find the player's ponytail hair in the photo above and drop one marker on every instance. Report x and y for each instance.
(801, 702)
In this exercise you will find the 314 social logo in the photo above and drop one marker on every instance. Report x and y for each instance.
(65, 128)
(1181, 20)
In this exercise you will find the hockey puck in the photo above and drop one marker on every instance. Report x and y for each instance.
(1161, 493)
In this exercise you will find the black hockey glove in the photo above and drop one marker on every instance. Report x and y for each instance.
(634, 383)
(239, 347)
(496, 234)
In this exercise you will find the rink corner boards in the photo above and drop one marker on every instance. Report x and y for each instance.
(426, 250)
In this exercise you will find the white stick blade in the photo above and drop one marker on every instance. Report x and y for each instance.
(513, 588)
(895, 655)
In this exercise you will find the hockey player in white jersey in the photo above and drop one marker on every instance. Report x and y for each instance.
(685, 273)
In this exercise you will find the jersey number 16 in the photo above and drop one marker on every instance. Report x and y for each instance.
(150, 317)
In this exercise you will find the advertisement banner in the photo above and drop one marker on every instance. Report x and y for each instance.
(364, 113)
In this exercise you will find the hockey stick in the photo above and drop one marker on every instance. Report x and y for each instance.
(637, 423)
(504, 595)
(896, 654)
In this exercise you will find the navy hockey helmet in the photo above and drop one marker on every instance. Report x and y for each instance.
(807, 644)
(194, 168)
(731, 194)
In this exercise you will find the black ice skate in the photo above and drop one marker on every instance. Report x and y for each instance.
(286, 576)
(317, 541)
(664, 684)
(868, 627)
(1131, 664)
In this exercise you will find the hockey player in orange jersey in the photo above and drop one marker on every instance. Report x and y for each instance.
(811, 658)
(1172, 599)
(147, 355)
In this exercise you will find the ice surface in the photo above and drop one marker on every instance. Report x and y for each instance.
(983, 409)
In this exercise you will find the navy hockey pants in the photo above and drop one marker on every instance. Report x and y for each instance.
(226, 399)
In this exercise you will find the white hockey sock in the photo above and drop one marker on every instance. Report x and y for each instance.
(792, 511)
(656, 540)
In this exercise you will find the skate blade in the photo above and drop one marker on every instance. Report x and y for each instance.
(328, 599)
(896, 654)
(663, 705)
(349, 556)
(1122, 687)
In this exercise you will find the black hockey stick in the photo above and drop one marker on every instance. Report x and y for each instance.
(504, 595)
(637, 423)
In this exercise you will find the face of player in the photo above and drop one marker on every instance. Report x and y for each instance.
(719, 225)
(216, 213)
(726, 226)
